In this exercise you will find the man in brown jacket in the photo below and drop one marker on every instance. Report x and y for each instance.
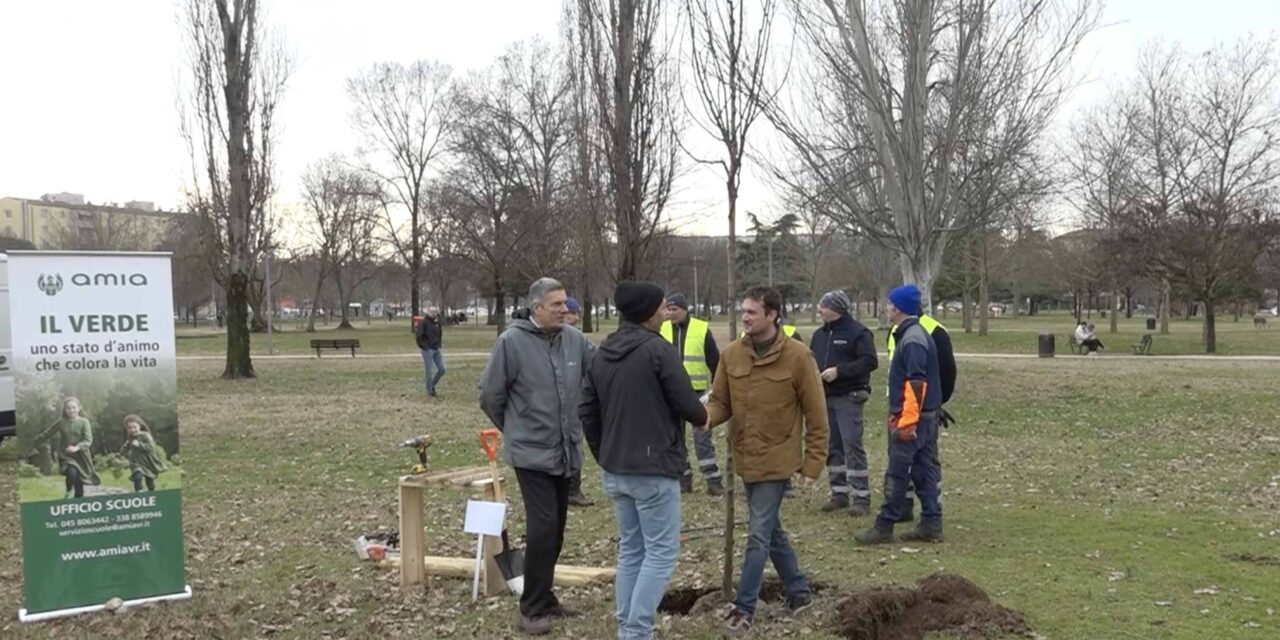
(769, 384)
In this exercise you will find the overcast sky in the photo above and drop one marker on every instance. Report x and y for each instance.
(88, 86)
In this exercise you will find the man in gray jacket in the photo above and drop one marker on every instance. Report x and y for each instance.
(529, 390)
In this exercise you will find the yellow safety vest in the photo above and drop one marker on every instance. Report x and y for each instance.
(926, 322)
(695, 357)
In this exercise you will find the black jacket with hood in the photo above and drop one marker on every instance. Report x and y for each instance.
(635, 401)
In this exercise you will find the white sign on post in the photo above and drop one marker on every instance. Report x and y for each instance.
(483, 519)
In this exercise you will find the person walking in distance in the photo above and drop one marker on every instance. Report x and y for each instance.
(846, 354)
(430, 337)
(530, 390)
(697, 346)
(915, 397)
(572, 316)
(768, 384)
(635, 402)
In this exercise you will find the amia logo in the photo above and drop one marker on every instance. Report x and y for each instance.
(52, 284)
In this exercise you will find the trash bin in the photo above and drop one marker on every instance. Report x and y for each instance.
(1046, 345)
(1151, 324)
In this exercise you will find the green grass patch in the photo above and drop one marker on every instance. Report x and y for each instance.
(1104, 498)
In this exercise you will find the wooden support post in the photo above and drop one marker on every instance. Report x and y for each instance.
(413, 537)
(494, 584)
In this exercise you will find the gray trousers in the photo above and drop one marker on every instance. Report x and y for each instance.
(846, 457)
(705, 448)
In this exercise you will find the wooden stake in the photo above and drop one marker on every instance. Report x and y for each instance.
(413, 537)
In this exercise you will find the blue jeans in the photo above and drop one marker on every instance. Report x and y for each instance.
(767, 541)
(433, 357)
(648, 511)
(913, 463)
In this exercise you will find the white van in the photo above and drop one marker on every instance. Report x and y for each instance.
(8, 420)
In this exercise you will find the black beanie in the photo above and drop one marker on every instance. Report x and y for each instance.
(637, 301)
(678, 300)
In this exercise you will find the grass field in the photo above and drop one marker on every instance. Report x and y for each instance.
(1006, 335)
(1103, 497)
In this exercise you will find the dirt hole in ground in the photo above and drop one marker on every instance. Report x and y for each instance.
(682, 601)
(942, 602)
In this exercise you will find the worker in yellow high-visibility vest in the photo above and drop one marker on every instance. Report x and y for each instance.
(693, 337)
(947, 369)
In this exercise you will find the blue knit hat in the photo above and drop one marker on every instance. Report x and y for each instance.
(907, 299)
(572, 305)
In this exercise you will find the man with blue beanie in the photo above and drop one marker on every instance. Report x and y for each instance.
(915, 396)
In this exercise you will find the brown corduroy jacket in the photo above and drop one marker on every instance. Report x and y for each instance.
(769, 399)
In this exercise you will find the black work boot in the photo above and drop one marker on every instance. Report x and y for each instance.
(859, 509)
(686, 483)
(926, 531)
(874, 535)
(576, 499)
(836, 502)
(714, 487)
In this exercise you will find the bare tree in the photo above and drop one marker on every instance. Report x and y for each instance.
(909, 100)
(237, 78)
(729, 60)
(1225, 218)
(403, 113)
(341, 203)
(1102, 161)
(508, 185)
(634, 83)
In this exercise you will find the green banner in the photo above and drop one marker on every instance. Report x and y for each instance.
(96, 400)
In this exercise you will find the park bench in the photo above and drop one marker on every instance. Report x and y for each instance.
(336, 345)
(1143, 348)
(1259, 322)
(1073, 343)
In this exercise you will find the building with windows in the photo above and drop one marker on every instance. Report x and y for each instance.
(66, 221)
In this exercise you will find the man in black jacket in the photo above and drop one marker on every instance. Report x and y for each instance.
(429, 336)
(845, 351)
(635, 401)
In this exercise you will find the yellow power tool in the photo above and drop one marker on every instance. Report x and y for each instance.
(419, 444)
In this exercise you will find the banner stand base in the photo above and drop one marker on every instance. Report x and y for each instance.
(23, 616)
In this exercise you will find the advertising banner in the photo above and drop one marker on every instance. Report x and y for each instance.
(99, 483)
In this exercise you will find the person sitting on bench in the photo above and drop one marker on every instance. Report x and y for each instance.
(1087, 336)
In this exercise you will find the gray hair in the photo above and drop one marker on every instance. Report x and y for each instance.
(541, 287)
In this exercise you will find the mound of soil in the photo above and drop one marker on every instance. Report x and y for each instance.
(940, 602)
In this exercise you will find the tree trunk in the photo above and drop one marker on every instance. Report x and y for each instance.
(239, 362)
(315, 301)
(499, 304)
(1115, 308)
(344, 301)
(984, 293)
(1017, 298)
(1235, 312)
(730, 485)
(1210, 327)
(1164, 306)
(726, 583)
